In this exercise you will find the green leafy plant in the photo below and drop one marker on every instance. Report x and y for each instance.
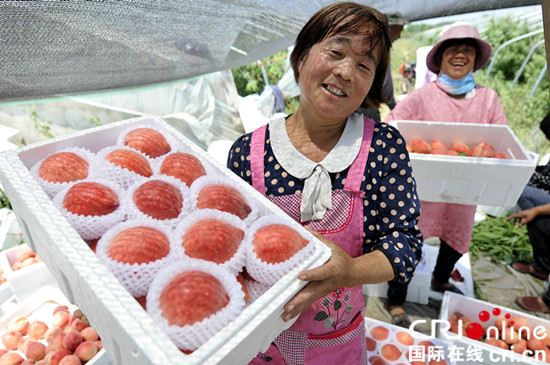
(4, 201)
(43, 126)
(93, 119)
(501, 241)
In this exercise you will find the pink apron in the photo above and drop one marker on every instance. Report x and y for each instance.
(331, 330)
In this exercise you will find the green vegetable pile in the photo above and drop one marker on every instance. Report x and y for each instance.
(501, 241)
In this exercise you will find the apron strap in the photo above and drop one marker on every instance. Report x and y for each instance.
(357, 169)
(257, 149)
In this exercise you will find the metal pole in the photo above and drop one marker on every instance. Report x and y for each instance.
(539, 79)
(520, 71)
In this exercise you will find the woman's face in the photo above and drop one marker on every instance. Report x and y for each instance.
(336, 75)
(458, 60)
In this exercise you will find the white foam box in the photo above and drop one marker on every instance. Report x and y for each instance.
(434, 347)
(419, 287)
(471, 308)
(129, 334)
(25, 281)
(465, 179)
(39, 307)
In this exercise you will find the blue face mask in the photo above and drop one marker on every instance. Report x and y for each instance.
(456, 87)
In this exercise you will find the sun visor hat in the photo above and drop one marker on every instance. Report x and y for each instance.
(460, 32)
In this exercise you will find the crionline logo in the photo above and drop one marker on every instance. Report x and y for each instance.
(454, 330)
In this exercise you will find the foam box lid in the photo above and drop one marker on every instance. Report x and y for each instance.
(465, 179)
(471, 308)
(129, 334)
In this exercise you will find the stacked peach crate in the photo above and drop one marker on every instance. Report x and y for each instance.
(193, 245)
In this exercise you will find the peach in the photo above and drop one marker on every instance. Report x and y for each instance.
(89, 334)
(409, 148)
(379, 333)
(41, 362)
(440, 361)
(390, 352)
(28, 362)
(492, 342)
(418, 145)
(482, 150)
(520, 347)
(510, 336)
(500, 155)
(61, 319)
(99, 345)
(11, 358)
(277, 243)
(183, 166)
(451, 153)
(72, 340)
(131, 160)
(70, 360)
(78, 325)
(404, 338)
(426, 344)
(90, 199)
(35, 350)
(517, 322)
(213, 240)
(535, 344)
(158, 199)
(22, 345)
(37, 330)
(58, 355)
(138, 245)
(501, 322)
(438, 145)
(29, 261)
(224, 198)
(86, 350)
(61, 308)
(24, 253)
(453, 326)
(377, 360)
(19, 324)
(191, 296)
(148, 141)
(371, 343)
(456, 316)
(3, 351)
(63, 167)
(546, 338)
(465, 322)
(11, 339)
(438, 152)
(56, 343)
(459, 147)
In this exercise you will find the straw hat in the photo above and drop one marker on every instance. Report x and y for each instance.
(461, 32)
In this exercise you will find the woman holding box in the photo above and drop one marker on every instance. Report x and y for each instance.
(341, 175)
(453, 97)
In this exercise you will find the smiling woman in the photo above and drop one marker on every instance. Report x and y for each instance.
(345, 177)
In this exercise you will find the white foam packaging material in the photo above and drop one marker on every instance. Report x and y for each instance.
(471, 309)
(129, 334)
(39, 307)
(419, 287)
(25, 281)
(465, 179)
(435, 349)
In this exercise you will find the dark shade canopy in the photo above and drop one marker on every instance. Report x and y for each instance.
(54, 48)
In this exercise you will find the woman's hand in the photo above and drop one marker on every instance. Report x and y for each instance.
(523, 217)
(323, 279)
(341, 270)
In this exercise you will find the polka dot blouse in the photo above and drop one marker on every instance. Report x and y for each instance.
(391, 206)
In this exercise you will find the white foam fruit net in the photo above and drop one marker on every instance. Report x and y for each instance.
(92, 227)
(265, 272)
(192, 336)
(137, 277)
(52, 188)
(211, 237)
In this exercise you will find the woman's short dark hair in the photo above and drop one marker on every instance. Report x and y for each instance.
(454, 42)
(545, 126)
(346, 18)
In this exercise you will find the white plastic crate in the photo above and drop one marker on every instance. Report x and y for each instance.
(25, 281)
(434, 347)
(129, 334)
(39, 307)
(465, 179)
(471, 308)
(419, 287)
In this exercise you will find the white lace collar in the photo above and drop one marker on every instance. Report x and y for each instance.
(317, 193)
